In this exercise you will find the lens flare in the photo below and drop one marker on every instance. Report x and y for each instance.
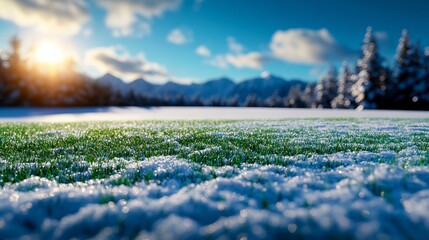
(49, 53)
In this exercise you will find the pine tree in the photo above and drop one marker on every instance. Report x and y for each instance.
(369, 87)
(252, 101)
(426, 58)
(294, 98)
(233, 101)
(215, 101)
(327, 89)
(408, 73)
(195, 101)
(2, 81)
(345, 83)
(180, 100)
(13, 83)
(15, 56)
(425, 96)
(420, 87)
(274, 100)
(308, 96)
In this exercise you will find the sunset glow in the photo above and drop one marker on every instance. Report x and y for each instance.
(49, 53)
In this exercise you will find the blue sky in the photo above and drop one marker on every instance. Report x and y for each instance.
(198, 40)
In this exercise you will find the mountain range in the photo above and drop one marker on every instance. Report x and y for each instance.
(222, 88)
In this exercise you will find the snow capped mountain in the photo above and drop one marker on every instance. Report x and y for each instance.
(113, 82)
(262, 86)
(142, 86)
(216, 88)
(171, 89)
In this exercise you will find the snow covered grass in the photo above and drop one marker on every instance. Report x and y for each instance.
(310, 178)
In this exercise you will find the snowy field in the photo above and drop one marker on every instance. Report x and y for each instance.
(187, 113)
(298, 179)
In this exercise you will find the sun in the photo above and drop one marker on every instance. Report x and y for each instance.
(49, 53)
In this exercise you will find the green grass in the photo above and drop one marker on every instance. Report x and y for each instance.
(60, 151)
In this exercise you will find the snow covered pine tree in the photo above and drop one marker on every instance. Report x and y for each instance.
(308, 96)
(369, 88)
(409, 74)
(326, 89)
(345, 83)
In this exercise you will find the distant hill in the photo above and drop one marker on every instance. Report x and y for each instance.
(262, 87)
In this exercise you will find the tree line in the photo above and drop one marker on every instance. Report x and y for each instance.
(370, 83)
(27, 83)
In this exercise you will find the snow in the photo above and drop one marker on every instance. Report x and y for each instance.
(255, 201)
(353, 195)
(188, 113)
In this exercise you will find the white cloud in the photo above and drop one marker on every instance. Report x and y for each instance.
(123, 14)
(179, 36)
(308, 46)
(114, 60)
(237, 58)
(234, 46)
(87, 32)
(252, 60)
(56, 17)
(218, 61)
(144, 29)
(122, 32)
(202, 50)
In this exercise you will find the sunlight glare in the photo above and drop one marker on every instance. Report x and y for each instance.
(49, 53)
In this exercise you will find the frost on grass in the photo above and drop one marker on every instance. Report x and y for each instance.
(164, 180)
